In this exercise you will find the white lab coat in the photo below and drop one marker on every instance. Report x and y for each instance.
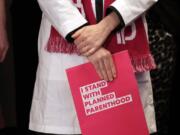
(52, 108)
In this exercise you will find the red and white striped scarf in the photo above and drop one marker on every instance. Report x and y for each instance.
(132, 38)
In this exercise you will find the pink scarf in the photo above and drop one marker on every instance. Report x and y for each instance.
(132, 38)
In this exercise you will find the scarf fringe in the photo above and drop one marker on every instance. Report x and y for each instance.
(58, 44)
(143, 63)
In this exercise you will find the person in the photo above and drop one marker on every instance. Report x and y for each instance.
(7, 83)
(69, 37)
(4, 45)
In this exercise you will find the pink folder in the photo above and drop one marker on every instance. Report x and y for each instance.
(107, 108)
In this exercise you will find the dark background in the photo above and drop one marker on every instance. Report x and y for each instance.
(26, 16)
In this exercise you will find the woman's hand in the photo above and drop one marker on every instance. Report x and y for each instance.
(103, 63)
(90, 38)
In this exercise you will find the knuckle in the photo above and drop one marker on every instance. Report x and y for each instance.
(108, 53)
(95, 62)
(99, 57)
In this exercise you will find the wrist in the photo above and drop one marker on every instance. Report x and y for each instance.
(110, 22)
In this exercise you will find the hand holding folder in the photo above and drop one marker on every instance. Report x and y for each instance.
(107, 108)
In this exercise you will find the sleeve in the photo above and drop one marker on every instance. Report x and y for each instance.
(129, 10)
(63, 15)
